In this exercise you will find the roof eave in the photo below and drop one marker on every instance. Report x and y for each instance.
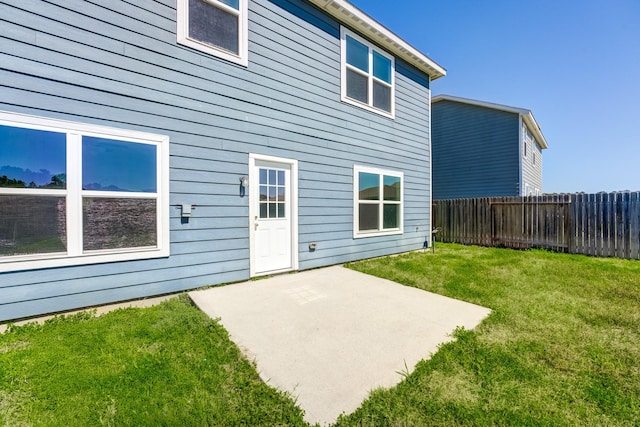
(535, 129)
(350, 15)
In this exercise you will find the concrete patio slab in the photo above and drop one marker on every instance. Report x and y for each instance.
(332, 335)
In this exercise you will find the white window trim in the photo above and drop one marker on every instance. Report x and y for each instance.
(74, 194)
(344, 32)
(243, 31)
(357, 234)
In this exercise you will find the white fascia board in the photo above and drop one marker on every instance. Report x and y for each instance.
(351, 16)
(526, 115)
(534, 127)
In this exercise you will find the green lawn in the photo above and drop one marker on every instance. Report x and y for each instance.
(167, 365)
(561, 348)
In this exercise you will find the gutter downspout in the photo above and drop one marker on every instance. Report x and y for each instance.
(430, 151)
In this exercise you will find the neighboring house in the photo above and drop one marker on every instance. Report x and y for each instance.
(155, 146)
(481, 149)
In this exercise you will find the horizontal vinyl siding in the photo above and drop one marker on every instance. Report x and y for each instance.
(117, 64)
(532, 173)
(475, 151)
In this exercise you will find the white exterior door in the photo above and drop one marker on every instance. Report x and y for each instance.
(273, 211)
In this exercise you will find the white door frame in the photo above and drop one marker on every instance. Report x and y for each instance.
(253, 209)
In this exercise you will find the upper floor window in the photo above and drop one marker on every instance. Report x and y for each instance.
(218, 27)
(76, 194)
(368, 75)
(378, 202)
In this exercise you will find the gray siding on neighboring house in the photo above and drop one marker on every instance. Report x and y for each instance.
(532, 168)
(117, 64)
(475, 151)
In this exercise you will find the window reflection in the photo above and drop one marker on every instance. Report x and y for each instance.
(392, 188)
(31, 158)
(110, 165)
(369, 186)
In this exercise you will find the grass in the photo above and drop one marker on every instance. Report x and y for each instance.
(561, 348)
(166, 365)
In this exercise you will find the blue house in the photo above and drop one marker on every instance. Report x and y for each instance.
(482, 149)
(155, 146)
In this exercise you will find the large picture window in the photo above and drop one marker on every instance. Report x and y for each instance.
(218, 27)
(74, 194)
(367, 75)
(378, 202)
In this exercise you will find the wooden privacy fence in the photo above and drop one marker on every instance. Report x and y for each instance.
(600, 224)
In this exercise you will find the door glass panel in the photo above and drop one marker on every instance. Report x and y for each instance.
(118, 223)
(368, 216)
(32, 225)
(357, 86)
(110, 165)
(392, 188)
(272, 193)
(369, 186)
(31, 158)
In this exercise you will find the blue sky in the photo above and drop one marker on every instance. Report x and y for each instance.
(574, 64)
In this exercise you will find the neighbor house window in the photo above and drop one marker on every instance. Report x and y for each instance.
(218, 27)
(378, 202)
(367, 75)
(75, 194)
